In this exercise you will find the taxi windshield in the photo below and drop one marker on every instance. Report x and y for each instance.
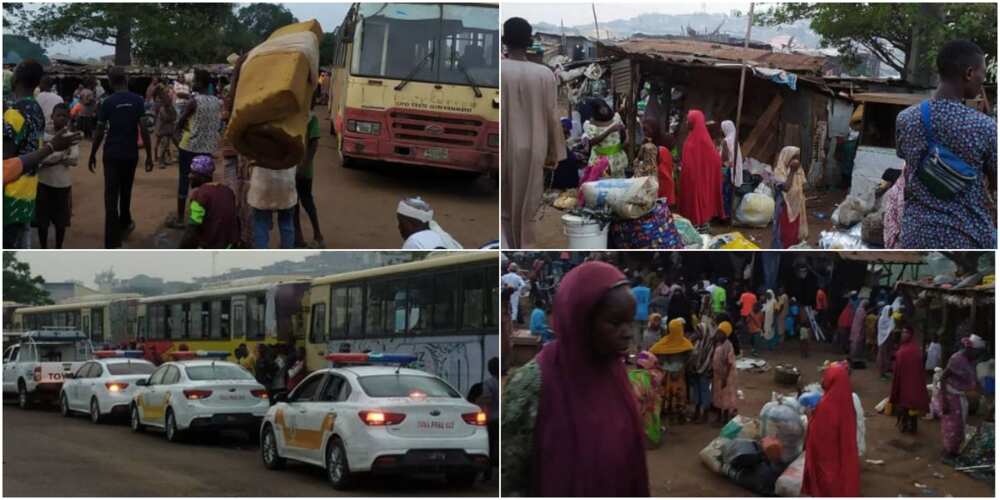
(401, 386)
(133, 368)
(217, 372)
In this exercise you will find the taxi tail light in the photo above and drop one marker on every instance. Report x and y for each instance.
(379, 418)
(259, 393)
(196, 394)
(116, 386)
(37, 374)
(477, 418)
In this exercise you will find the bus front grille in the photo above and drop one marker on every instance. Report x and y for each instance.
(431, 129)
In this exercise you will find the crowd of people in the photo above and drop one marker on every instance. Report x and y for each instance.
(227, 204)
(705, 179)
(640, 351)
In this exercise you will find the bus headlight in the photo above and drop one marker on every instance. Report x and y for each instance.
(493, 140)
(362, 127)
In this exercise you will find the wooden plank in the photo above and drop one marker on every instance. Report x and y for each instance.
(764, 124)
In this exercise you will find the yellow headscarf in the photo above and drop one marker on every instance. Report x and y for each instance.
(674, 342)
(726, 328)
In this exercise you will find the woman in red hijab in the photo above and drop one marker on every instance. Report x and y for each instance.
(909, 397)
(832, 468)
(701, 174)
(571, 423)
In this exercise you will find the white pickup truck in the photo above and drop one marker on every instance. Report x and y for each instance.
(34, 369)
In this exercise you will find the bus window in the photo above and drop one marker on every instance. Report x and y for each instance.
(447, 288)
(355, 312)
(338, 316)
(317, 332)
(493, 300)
(215, 332)
(255, 318)
(421, 298)
(239, 321)
(176, 322)
(383, 303)
(86, 325)
(469, 45)
(97, 322)
(205, 318)
(187, 326)
(473, 298)
(225, 320)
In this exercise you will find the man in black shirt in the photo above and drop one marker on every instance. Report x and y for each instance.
(119, 120)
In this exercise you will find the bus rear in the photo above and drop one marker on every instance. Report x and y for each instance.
(418, 84)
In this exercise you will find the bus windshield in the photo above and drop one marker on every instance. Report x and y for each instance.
(452, 44)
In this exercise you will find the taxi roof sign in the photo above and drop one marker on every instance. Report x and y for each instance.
(188, 355)
(118, 354)
(370, 358)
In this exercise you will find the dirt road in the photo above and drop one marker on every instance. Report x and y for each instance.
(675, 469)
(357, 208)
(45, 454)
(819, 206)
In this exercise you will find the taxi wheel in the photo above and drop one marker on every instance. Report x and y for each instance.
(173, 433)
(269, 450)
(95, 411)
(64, 405)
(134, 423)
(337, 469)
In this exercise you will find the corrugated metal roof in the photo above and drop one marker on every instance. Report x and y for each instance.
(901, 99)
(693, 51)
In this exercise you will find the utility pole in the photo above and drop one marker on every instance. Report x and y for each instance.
(597, 29)
(743, 74)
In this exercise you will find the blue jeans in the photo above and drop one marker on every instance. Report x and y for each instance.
(701, 392)
(263, 221)
(184, 158)
(17, 235)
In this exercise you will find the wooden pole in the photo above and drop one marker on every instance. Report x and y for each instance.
(597, 29)
(743, 74)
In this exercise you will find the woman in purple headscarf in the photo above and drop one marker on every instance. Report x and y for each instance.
(571, 423)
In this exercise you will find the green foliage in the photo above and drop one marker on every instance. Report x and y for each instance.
(24, 48)
(881, 27)
(178, 33)
(19, 285)
(10, 11)
(326, 46)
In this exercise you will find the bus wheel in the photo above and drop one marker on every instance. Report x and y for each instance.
(348, 162)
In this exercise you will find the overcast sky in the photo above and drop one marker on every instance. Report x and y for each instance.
(66, 265)
(329, 16)
(580, 13)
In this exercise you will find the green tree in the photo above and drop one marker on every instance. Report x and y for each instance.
(888, 30)
(10, 11)
(326, 46)
(156, 33)
(19, 285)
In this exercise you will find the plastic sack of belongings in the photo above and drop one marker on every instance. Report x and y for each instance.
(738, 428)
(732, 241)
(756, 209)
(690, 235)
(627, 198)
(654, 230)
(782, 419)
(838, 240)
(274, 96)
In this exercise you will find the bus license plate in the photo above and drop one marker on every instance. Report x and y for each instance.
(437, 154)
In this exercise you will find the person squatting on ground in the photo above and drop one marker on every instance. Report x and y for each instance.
(415, 219)
(212, 221)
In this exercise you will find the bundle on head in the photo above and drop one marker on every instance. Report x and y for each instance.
(274, 95)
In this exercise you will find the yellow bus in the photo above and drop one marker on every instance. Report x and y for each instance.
(443, 309)
(220, 319)
(102, 318)
(418, 84)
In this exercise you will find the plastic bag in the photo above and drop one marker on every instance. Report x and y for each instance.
(627, 198)
(872, 229)
(789, 484)
(850, 211)
(741, 427)
(742, 453)
(784, 423)
(755, 210)
(690, 235)
(732, 241)
(711, 455)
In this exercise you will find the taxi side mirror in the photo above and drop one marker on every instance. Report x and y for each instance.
(142, 382)
(280, 397)
(67, 376)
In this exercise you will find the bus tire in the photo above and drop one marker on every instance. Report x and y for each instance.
(349, 163)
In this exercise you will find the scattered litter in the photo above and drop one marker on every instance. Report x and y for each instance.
(875, 462)
(921, 486)
(751, 364)
(739, 394)
(938, 475)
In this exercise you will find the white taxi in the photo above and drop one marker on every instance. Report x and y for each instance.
(380, 419)
(198, 391)
(104, 386)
